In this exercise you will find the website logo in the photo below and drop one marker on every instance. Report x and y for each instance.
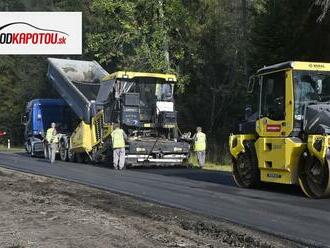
(40, 33)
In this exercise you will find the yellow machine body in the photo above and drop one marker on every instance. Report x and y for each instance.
(236, 143)
(132, 74)
(278, 152)
(86, 136)
(278, 159)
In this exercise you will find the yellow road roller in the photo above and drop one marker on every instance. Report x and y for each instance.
(285, 135)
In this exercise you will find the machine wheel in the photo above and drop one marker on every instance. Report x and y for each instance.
(71, 156)
(80, 157)
(245, 171)
(95, 158)
(63, 151)
(314, 178)
(87, 159)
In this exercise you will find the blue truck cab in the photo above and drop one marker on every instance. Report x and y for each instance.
(39, 114)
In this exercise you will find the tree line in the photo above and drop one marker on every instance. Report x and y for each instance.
(211, 45)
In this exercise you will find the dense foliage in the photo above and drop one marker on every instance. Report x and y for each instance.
(212, 45)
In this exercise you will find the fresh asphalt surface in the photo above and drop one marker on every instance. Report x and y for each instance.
(276, 209)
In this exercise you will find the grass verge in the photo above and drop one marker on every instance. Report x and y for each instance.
(12, 149)
(211, 166)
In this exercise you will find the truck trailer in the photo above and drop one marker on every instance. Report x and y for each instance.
(141, 102)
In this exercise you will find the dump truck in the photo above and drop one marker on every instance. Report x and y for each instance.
(285, 137)
(141, 102)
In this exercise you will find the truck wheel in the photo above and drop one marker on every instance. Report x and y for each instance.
(245, 171)
(63, 151)
(46, 153)
(28, 147)
(314, 178)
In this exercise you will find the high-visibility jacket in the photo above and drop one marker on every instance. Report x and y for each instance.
(200, 142)
(51, 135)
(118, 138)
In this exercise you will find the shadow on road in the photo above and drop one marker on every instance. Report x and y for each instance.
(223, 178)
(209, 176)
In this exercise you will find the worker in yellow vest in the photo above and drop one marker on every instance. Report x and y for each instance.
(200, 146)
(51, 143)
(118, 137)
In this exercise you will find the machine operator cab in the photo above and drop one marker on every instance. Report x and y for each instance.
(286, 128)
(142, 101)
(281, 93)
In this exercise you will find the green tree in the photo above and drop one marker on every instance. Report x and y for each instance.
(216, 68)
(137, 35)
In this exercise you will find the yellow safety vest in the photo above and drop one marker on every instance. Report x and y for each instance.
(200, 143)
(50, 137)
(118, 140)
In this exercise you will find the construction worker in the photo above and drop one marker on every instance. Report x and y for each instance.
(200, 146)
(52, 142)
(118, 145)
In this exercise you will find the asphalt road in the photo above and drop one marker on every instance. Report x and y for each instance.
(276, 209)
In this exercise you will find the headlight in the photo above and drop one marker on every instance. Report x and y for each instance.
(177, 149)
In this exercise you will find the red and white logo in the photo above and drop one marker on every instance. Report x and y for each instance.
(40, 33)
(273, 128)
(2, 133)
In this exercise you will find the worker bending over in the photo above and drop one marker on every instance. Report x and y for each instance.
(200, 146)
(52, 142)
(118, 145)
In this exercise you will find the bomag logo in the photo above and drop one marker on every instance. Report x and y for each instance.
(36, 35)
(274, 175)
(317, 66)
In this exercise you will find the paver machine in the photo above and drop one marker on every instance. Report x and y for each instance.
(141, 102)
(285, 137)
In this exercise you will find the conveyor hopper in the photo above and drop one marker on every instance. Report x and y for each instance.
(78, 83)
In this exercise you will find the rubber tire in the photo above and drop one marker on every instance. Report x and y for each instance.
(71, 156)
(109, 158)
(28, 147)
(306, 187)
(79, 158)
(46, 153)
(254, 173)
(32, 152)
(63, 151)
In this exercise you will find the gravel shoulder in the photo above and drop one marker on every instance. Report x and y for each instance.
(37, 211)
